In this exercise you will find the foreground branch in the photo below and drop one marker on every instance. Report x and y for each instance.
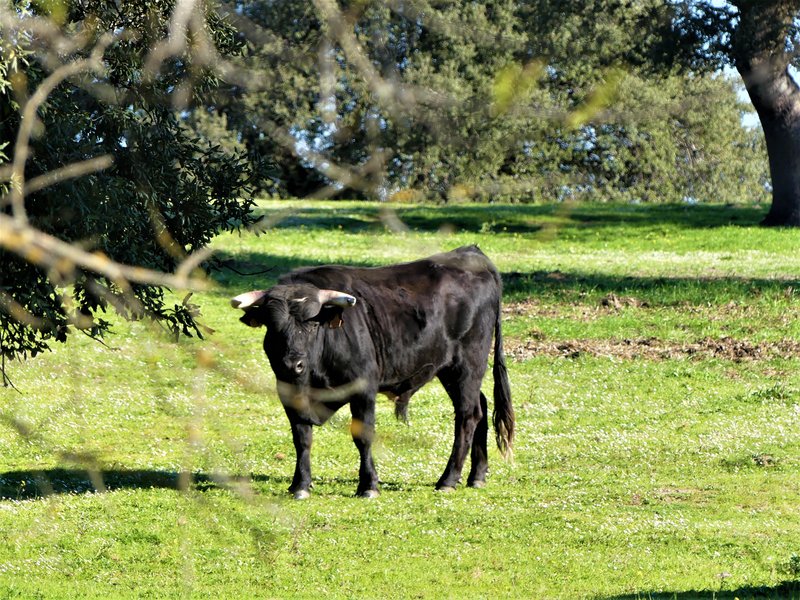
(51, 253)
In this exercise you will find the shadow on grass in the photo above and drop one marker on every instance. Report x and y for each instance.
(580, 287)
(256, 270)
(514, 218)
(787, 590)
(26, 485)
(571, 286)
(38, 483)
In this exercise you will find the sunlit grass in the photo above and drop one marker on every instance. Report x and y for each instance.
(633, 477)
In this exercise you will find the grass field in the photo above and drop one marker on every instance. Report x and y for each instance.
(654, 357)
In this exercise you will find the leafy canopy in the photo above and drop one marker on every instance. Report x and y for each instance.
(491, 100)
(165, 195)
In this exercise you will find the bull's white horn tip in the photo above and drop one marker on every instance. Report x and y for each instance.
(248, 299)
(336, 298)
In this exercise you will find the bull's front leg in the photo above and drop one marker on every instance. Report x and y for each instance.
(362, 428)
(302, 437)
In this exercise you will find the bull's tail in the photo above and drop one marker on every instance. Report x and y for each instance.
(503, 417)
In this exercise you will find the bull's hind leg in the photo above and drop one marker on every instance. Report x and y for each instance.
(480, 463)
(463, 387)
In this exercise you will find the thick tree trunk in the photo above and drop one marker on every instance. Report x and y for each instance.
(783, 148)
(759, 51)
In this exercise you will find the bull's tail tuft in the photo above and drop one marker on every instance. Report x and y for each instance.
(503, 417)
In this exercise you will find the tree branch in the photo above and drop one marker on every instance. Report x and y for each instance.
(49, 252)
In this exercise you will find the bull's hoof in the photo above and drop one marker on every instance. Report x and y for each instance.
(477, 484)
(368, 494)
(445, 489)
(301, 494)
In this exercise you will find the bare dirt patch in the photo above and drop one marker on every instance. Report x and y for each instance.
(670, 495)
(583, 312)
(609, 302)
(613, 303)
(619, 302)
(531, 308)
(654, 349)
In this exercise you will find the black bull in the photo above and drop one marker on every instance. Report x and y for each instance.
(339, 335)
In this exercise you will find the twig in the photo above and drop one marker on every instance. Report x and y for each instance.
(243, 274)
(71, 171)
(49, 252)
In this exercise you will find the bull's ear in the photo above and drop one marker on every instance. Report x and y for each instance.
(330, 316)
(336, 320)
(249, 299)
(251, 319)
(249, 302)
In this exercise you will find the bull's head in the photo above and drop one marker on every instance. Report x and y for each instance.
(295, 316)
(305, 303)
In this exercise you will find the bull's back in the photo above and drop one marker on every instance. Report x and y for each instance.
(466, 265)
(419, 314)
(457, 276)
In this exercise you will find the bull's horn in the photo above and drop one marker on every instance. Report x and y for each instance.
(335, 298)
(248, 299)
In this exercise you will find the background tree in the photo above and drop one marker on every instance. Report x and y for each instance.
(396, 102)
(760, 39)
(495, 100)
(763, 48)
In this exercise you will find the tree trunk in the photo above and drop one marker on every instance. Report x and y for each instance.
(759, 51)
(783, 149)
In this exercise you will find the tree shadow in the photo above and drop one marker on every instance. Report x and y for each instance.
(259, 270)
(254, 270)
(690, 216)
(577, 218)
(246, 270)
(511, 218)
(577, 287)
(37, 483)
(787, 590)
(355, 220)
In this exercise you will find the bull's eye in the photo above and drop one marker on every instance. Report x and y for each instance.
(299, 367)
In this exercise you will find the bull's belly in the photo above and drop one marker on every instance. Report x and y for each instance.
(408, 385)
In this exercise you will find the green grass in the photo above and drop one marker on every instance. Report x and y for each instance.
(636, 476)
